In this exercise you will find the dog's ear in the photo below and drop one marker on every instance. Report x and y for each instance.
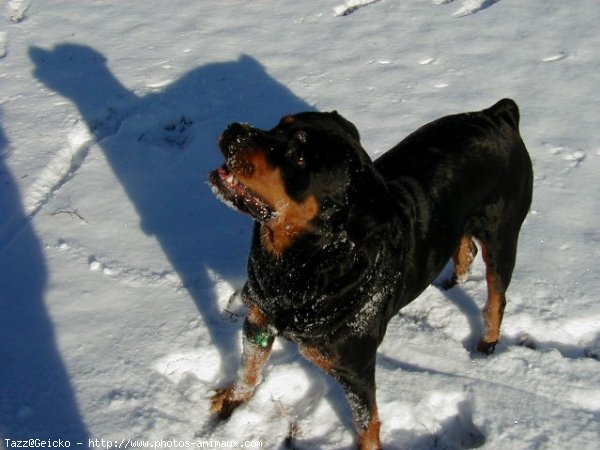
(348, 126)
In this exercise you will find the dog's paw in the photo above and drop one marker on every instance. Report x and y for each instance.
(487, 348)
(226, 400)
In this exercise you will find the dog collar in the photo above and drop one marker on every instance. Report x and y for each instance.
(262, 339)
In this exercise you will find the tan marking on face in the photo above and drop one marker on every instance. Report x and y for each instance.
(289, 119)
(292, 218)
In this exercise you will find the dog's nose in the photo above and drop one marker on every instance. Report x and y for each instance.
(239, 128)
(240, 131)
(236, 136)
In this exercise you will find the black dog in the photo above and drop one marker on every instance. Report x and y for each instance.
(341, 243)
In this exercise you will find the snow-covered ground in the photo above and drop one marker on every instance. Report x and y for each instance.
(117, 264)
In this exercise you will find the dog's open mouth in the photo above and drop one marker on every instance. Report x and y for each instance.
(237, 195)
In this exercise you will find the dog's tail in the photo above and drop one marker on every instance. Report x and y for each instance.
(507, 110)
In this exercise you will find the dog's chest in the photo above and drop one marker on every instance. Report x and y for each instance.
(307, 298)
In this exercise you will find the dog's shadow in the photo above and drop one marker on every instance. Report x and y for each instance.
(466, 304)
(165, 147)
(472, 311)
(182, 121)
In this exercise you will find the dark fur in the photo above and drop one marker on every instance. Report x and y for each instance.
(383, 232)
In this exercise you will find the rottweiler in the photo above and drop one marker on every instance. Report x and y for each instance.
(341, 243)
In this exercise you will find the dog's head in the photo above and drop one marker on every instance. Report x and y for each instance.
(299, 177)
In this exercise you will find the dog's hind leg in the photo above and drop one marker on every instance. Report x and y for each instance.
(499, 261)
(463, 259)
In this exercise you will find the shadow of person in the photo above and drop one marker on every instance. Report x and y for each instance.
(36, 396)
(161, 147)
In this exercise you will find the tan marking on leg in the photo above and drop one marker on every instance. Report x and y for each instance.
(368, 439)
(463, 259)
(254, 358)
(494, 307)
(226, 400)
(318, 358)
(257, 317)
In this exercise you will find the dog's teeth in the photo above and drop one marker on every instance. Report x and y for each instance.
(230, 178)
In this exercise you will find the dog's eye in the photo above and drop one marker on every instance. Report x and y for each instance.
(296, 156)
(302, 136)
(294, 153)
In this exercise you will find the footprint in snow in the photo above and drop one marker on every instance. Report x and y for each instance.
(589, 346)
(572, 158)
(427, 61)
(98, 266)
(3, 43)
(62, 167)
(186, 369)
(351, 6)
(451, 423)
(555, 57)
(174, 134)
(16, 9)
(469, 6)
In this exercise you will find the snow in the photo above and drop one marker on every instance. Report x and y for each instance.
(117, 262)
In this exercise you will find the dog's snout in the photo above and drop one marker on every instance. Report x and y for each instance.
(237, 136)
(240, 129)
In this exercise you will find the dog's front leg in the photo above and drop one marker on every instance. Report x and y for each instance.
(360, 390)
(352, 364)
(257, 342)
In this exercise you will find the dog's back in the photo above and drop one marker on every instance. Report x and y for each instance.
(462, 177)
